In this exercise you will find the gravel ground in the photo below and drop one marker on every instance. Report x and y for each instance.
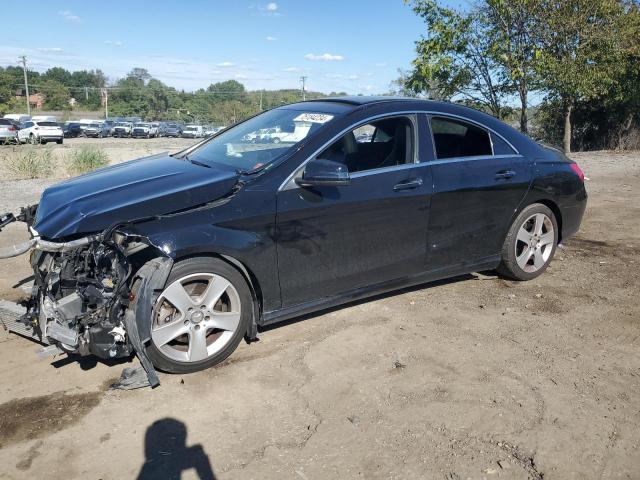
(475, 377)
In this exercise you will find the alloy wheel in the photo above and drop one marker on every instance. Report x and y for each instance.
(195, 317)
(534, 242)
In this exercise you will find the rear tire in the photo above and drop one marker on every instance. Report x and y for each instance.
(530, 243)
(219, 343)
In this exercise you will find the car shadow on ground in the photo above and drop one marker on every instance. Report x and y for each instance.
(167, 454)
(381, 296)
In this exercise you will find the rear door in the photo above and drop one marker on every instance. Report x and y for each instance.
(479, 181)
(336, 239)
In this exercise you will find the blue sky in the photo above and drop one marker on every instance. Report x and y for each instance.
(349, 45)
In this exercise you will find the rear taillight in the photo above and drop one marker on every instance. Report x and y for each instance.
(11, 128)
(577, 170)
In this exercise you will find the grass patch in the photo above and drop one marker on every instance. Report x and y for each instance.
(30, 162)
(85, 159)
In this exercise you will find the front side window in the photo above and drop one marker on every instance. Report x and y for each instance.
(456, 138)
(383, 143)
(258, 142)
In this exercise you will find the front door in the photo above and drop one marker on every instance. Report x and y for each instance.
(334, 239)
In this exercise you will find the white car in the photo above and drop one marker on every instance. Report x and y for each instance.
(40, 132)
(193, 131)
(8, 131)
(146, 130)
(122, 129)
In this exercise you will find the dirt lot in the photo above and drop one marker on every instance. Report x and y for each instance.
(476, 377)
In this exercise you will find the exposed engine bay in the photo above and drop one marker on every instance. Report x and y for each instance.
(82, 291)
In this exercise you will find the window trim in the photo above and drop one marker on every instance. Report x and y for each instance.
(460, 118)
(289, 183)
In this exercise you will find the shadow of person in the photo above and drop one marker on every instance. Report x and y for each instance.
(167, 454)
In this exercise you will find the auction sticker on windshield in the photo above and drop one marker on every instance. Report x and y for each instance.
(313, 117)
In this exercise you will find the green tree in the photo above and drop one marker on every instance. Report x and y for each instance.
(512, 34)
(455, 58)
(584, 51)
(56, 95)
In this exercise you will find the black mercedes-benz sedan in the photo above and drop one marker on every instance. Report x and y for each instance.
(178, 257)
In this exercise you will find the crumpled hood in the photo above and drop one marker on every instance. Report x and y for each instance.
(128, 191)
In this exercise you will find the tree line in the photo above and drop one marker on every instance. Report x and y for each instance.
(139, 94)
(580, 59)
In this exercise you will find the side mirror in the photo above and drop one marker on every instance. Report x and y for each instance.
(320, 172)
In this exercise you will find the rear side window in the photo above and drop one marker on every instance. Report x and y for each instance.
(5, 122)
(456, 138)
(500, 147)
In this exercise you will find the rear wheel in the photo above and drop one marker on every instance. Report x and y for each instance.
(59, 141)
(530, 243)
(200, 317)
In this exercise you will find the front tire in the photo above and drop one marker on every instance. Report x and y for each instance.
(200, 317)
(530, 244)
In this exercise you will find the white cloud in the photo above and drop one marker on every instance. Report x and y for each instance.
(50, 50)
(325, 57)
(69, 16)
(270, 39)
(381, 64)
(291, 69)
(226, 64)
(272, 7)
(240, 76)
(353, 77)
(115, 43)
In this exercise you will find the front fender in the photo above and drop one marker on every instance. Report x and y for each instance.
(253, 246)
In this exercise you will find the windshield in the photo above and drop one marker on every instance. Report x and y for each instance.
(261, 140)
(142, 124)
(48, 124)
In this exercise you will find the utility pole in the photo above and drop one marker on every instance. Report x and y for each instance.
(26, 84)
(303, 79)
(105, 94)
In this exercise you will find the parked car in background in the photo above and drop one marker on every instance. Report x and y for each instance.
(85, 122)
(193, 131)
(71, 130)
(122, 129)
(40, 132)
(8, 131)
(44, 118)
(18, 117)
(146, 130)
(110, 124)
(172, 130)
(97, 130)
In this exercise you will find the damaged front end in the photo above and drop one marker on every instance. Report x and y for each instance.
(82, 290)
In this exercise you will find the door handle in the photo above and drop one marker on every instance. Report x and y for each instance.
(505, 174)
(408, 185)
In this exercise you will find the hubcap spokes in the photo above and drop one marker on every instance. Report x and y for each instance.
(195, 317)
(534, 242)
